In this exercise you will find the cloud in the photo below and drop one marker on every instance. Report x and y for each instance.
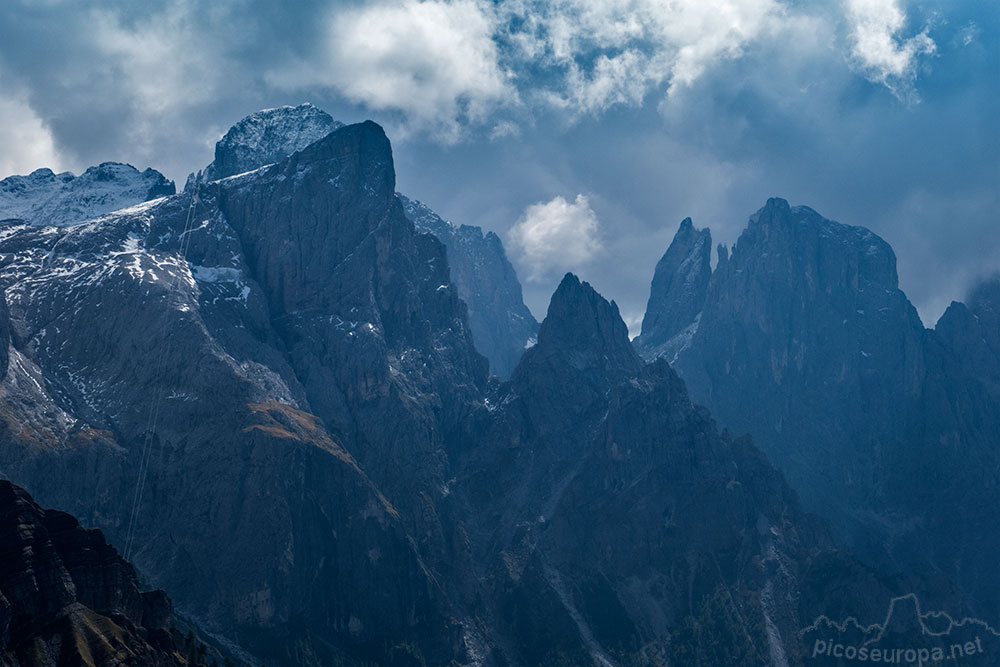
(879, 50)
(435, 61)
(553, 237)
(621, 79)
(969, 33)
(444, 65)
(447, 69)
(159, 60)
(168, 62)
(504, 129)
(129, 82)
(25, 142)
(599, 54)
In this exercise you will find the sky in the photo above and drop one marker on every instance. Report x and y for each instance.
(580, 131)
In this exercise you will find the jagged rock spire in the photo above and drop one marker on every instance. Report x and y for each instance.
(679, 285)
(586, 330)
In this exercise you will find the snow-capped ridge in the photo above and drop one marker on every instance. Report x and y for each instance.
(46, 198)
(268, 136)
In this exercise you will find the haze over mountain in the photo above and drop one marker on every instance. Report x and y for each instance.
(267, 391)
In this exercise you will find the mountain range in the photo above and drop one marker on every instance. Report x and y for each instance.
(802, 337)
(321, 418)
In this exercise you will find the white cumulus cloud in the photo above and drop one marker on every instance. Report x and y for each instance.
(162, 62)
(435, 61)
(445, 64)
(879, 49)
(553, 237)
(606, 53)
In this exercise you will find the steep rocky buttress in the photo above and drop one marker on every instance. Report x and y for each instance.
(305, 313)
(68, 598)
(677, 295)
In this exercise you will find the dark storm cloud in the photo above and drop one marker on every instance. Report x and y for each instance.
(874, 112)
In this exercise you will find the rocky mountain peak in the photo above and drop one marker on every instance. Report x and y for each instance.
(346, 183)
(775, 206)
(680, 283)
(363, 147)
(775, 211)
(722, 252)
(609, 473)
(267, 136)
(587, 329)
(806, 342)
(46, 198)
(798, 298)
(502, 326)
(983, 304)
(798, 240)
(971, 332)
(355, 291)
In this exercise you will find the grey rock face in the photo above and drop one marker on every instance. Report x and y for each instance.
(284, 367)
(806, 342)
(589, 331)
(373, 326)
(303, 291)
(67, 597)
(800, 299)
(45, 198)
(502, 326)
(614, 518)
(268, 136)
(677, 294)
(4, 336)
(971, 333)
(945, 468)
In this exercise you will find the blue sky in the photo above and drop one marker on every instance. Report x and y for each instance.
(581, 131)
